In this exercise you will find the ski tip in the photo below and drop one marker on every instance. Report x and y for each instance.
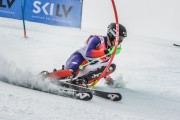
(176, 45)
(120, 98)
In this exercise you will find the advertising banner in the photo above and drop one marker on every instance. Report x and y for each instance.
(10, 9)
(54, 12)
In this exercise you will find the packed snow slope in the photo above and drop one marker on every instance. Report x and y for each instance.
(148, 69)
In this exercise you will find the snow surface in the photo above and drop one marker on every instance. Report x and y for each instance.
(148, 69)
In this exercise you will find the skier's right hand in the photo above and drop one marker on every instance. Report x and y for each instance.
(118, 50)
(109, 51)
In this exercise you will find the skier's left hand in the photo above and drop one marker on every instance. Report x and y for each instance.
(118, 50)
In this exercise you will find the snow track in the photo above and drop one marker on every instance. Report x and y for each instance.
(149, 67)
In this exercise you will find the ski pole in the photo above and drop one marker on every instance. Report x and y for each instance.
(82, 66)
(23, 19)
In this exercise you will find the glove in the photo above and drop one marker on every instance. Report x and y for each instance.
(109, 51)
(118, 50)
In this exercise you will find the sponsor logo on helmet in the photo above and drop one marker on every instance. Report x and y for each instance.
(113, 32)
(125, 34)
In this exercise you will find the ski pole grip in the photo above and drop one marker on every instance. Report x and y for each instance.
(81, 67)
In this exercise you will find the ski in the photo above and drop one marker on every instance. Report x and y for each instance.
(86, 96)
(107, 95)
(58, 90)
(176, 45)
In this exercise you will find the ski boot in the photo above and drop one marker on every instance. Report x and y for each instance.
(79, 81)
(58, 74)
(44, 74)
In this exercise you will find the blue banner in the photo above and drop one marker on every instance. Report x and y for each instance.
(10, 9)
(54, 12)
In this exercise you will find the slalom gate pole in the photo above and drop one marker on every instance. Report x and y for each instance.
(82, 66)
(24, 26)
(116, 44)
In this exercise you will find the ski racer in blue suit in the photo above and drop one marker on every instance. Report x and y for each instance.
(96, 46)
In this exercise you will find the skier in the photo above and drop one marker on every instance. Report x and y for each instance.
(96, 46)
